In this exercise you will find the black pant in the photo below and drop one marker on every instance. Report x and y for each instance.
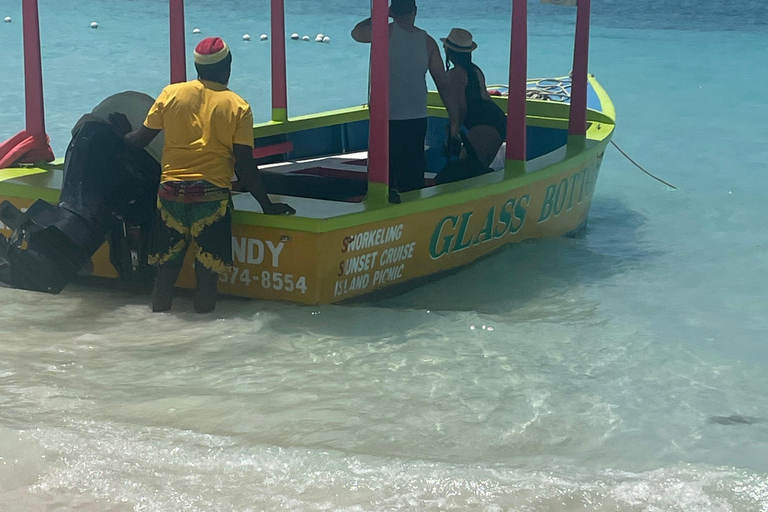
(469, 167)
(407, 163)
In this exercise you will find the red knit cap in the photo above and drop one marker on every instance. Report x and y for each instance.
(210, 51)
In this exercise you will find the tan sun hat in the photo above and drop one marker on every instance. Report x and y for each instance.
(459, 40)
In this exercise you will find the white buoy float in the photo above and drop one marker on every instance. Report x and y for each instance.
(295, 36)
(246, 37)
(305, 38)
(7, 19)
(94, 24)
(195, 30)
(263, 37)
(326, 39)
(319, 38)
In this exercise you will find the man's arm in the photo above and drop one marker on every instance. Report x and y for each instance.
(248, 174)
(437, 67)
(363, 31)
(141, 136)
(444, 85)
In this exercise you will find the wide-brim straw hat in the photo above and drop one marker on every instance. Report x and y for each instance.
(459, 40)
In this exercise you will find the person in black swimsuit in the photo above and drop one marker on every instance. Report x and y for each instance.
(471, 150)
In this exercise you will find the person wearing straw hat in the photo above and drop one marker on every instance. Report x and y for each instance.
(477, 125)
(412, 52)
(208, 138)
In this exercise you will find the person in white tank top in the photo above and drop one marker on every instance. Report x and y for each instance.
(412, 52)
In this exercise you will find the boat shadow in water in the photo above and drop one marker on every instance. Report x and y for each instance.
(539, 280)
(541, 274)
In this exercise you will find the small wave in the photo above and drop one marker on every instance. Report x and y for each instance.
(164, 469)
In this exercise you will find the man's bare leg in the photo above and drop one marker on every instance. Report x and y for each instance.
(162, 296)
(207, 288)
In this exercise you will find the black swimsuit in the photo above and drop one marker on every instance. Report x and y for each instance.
(487, 113)
(481, 111)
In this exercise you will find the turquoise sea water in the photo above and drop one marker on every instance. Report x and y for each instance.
(625, 371)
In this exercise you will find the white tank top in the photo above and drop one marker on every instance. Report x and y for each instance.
(408, 64)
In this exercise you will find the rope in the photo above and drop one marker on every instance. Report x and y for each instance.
(559, 90)
(551, 89)
(641, 167)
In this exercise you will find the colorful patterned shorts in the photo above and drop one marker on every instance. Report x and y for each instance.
(193, 211)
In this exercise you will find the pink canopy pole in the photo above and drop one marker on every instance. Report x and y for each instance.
(378, 138)
(279, 87)
(31, 145)
(577, 122)
(518, 71)
(178, 52)
(33, 69)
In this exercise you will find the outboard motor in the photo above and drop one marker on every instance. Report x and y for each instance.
(109, 188)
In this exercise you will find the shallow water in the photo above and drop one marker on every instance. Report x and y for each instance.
(623, 371)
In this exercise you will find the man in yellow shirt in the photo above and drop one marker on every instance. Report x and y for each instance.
(208, 137)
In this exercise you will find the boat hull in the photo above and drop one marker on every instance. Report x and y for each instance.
(371, 248)
(274, 263)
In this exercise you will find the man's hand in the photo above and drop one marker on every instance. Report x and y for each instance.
(278, 209)
(120, 123)
(453, 146)
(250, 180)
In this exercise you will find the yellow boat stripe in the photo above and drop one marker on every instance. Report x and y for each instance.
(19, 172)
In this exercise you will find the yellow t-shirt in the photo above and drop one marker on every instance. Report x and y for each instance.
(201, 121)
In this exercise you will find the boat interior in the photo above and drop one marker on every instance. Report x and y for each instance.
(318, 163)
(330, 162)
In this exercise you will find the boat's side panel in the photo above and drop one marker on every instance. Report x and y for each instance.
(269, 263)
(371, 257)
